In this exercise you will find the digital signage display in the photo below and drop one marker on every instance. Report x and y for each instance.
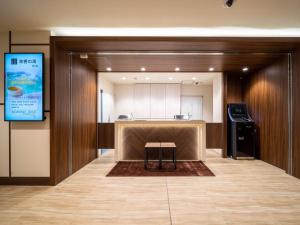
(24, 86)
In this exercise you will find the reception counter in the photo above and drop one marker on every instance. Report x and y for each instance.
(188, 135)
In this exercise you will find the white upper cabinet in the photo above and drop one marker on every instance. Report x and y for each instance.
(141, 101)
(124, 100)
(158, 101)
(172, 100)
(148, 101)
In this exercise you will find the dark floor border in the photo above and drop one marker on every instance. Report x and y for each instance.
(32, 181)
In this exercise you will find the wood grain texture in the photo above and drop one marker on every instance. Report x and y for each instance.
(296, 114)
(242, 193)
(223, 44)
(238, 50)
(234, 88)
(32, 181)
(84, 113)
(214, 135)
(232, 93)
(266, 95)
(135, 138)
(187, 63)
(60, 114)
(106, 135)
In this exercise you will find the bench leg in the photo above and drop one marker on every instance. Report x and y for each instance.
(160, 158)
(174, 157)
(146, 158)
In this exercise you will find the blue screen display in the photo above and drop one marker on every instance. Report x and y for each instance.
(24, 86)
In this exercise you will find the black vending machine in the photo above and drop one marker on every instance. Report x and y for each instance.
(241, 132)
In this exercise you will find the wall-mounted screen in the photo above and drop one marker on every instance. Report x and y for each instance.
(24, 86)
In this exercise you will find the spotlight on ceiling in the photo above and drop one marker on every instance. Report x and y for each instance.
(211, 69)
(84, 56)
(177, 69)
(228, 3)
(108, 69)
(245, 69)
(194, 78)
(143, 69)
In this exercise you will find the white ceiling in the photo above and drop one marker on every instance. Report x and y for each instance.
(175, 77)
(50, 14)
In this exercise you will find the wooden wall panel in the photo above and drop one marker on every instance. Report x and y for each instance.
(296, 115)
(106, 135)
(214, 135)
(232, 93)
(84, 113)
(135, 138)
(266, 95)
(60, 114)
(234, 88)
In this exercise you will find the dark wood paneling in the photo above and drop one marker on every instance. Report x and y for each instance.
(187, 63)
(266, 95)
(214, 135)
(296, 115)
(234, 88)
(84, 113)
(232, 93)
(60, 114)
(233, 59)
(223, 44)
(25, 181)
(106, 135)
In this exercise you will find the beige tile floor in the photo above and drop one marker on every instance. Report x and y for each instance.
(242, 192)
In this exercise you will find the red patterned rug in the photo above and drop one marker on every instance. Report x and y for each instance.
(184, 168)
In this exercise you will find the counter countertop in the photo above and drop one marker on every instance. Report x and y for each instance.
(162, 121)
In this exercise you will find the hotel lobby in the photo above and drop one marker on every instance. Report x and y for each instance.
(163, 112)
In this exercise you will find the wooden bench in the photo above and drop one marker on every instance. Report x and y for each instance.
(169, 146)
(149, 146)
(160, 147)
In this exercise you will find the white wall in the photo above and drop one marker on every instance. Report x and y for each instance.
(206, 92)
(30, 149)
(4, 127)
(144, 13)
(108, 100)
(30, 141)
(218, 99)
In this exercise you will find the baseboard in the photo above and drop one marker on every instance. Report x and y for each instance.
(30, 181)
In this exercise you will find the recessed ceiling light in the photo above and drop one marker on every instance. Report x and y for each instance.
(211, 69)
(194, 78)
(177, 69)
(143, 69)
(147, 78)
(245, 69)
(171, 78)
(123, 78)
(108, 69)
(84, 56)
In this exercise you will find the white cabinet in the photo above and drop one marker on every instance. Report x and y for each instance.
(124, 99)
(172, 100)
(145, 101)
(141, 101)
(158, 101)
